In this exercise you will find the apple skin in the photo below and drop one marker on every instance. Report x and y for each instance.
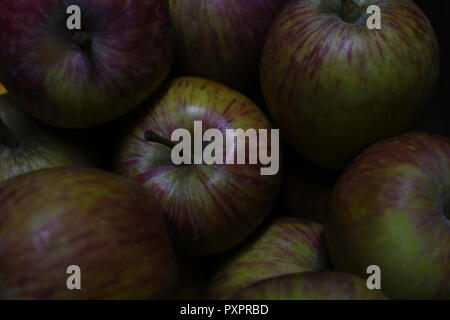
(222, 40)
(311, 285)
(108, 225)
(210, 208)
(38, 146)
(67, 81)
(391, 208)
(284, 246)
(335, 87)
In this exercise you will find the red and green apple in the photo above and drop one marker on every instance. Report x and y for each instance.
(27, 145)
(391, 208)
(210, 207)
(83, 77)
(222, 39)
(110, 227)
(282, 247)
(334, 86)
(311, 285)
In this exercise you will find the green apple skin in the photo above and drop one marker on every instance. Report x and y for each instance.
(391, 208)
(83, 78)
(35, 145)
(210, 208)
(311, 285)
(284, 246)
(335, 87)
(109, 226)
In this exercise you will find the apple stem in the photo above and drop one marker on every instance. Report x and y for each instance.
(152, 136)
(6, 138)
(350, 11)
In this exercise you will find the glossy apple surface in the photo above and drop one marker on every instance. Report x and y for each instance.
(391, 208)
(81, 78)
(285, 246)
(312, 285)
(210, 208)
(334, 86)
(109, 226)
(27, 145)
(222, 39)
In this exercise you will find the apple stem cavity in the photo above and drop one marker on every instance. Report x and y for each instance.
(6, 137)
(82, 39)
(351, 10)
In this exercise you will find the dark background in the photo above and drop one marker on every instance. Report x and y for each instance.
(438, 118)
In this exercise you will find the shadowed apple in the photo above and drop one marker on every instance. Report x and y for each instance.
(210, 207)
(334, 86)
(391, 208)
(27, 145)
(281, 247)
(222, 39)
(312, 285)
(82, 78)
(109, 226)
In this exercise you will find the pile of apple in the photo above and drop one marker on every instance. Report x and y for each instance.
(87, 178)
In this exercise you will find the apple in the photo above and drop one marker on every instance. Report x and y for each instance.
(110, 227)
(391, 208)
(334, 86)
(27, 145)
(222, 39)
(2, 89)
(81, 78)
(311, 285)
(284, 246)
(210, 208)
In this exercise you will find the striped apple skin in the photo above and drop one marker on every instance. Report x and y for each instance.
(391, 208)
(46, 72)
(109, 226)
(312, 285)
(335, 87)
(283, 246)
(210, 208)
(222, 40)
(38, 145)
